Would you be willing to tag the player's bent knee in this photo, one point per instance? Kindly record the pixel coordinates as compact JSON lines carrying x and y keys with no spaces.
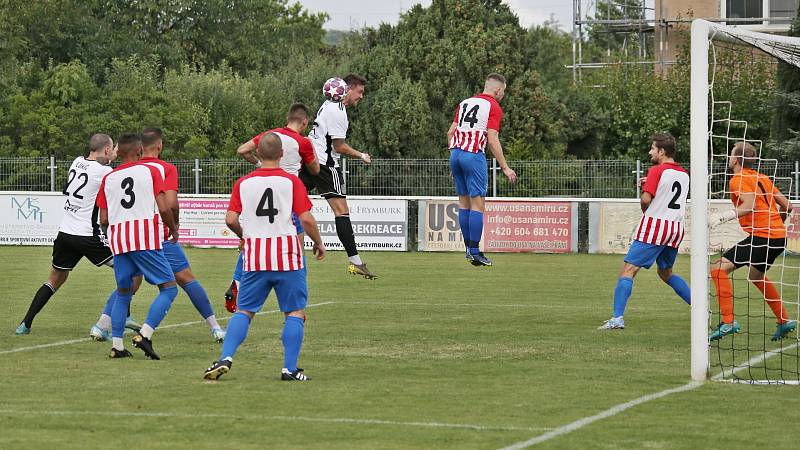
{"x":184,"y":277}
{"x":301,"y":313}
{"x":167,"y":285}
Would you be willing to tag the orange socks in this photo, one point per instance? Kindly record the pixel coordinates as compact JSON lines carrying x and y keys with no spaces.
{"x":773,"y":298}
{"x":724,"y":294}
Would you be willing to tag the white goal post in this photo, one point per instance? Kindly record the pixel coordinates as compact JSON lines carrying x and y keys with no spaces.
{"x":784,"y":48}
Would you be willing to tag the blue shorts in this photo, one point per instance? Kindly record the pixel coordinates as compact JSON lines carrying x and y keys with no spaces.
{"x":290,"y":287}
{"x":175,"y":256}
{"x":238,"y":271}
{"x":150,"y":263}
{"x":644,"y":255}
{"x":469,"y":172}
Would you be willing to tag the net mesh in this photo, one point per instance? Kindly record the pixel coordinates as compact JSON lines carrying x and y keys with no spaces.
{"x":751,"y":355}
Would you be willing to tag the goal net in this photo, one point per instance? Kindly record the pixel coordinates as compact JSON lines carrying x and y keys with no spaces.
{"x":724,"y":60}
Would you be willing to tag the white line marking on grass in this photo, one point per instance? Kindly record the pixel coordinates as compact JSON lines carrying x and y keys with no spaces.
{"x":264,"y":418}
{"x":174,"y":325}
{"x":613,"y":411}
{"x":752,"y":361}
{"x":485,"y":305}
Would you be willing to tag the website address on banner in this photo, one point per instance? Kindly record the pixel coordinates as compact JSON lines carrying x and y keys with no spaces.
{"x":495,"y":207}
{"x":360,"y":245}
{"x":528,"y":245}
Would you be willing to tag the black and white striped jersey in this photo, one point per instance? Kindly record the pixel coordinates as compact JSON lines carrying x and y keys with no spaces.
{"x":80,"y":212}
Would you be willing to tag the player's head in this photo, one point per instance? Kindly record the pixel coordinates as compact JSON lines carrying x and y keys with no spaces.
{"x":495,"y":86}
{"x":743,"y":154}
{"x":101,"y":147}
{"x":662,"y":147}
{"x":129,"y":146}
{"x":270,"y":149}
{"x":298,"y":117}
{"x":152,"y":141}
{"x":355,"y":89}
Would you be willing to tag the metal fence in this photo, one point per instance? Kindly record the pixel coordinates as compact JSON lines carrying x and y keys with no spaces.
{"x":405,"y":177}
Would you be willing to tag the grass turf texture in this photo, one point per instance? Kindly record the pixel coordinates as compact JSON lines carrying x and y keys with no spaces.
{"x":434,"y":354}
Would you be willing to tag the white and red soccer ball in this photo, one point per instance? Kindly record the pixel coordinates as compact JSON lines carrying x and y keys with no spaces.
{"x":334,"y":89}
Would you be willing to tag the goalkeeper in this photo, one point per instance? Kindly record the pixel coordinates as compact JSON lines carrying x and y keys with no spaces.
{"x":761,"y":210}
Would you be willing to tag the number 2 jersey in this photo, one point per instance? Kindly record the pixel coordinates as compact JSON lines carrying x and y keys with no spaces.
{"x":474,"y":118}
{"x":129,"y":194}
{"x":662,"y":223}
{"x":83,"y":183}
{"x":265,"y":200}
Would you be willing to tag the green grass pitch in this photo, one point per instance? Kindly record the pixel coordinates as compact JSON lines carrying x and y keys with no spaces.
{"x":435,"y":354}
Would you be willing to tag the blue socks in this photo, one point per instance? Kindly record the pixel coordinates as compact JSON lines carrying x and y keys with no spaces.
{"x":199,"y":298}
{"x":475,"y":231}
{"x":463,"y":222}
{"x":160,"y":306}
{"x":235,"y":334}
{"x":292,"y":339}
{"x":119,"y":312}
{"x":621,"y":295}
{"x":681,"y":288}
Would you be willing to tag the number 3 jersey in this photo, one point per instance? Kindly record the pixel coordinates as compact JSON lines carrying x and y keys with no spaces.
{"x":83,"y":182}
{"x":475,"y":116}
{"x":662,"y":223}
{"x":129,"y":194}
{"x":265,"y":200}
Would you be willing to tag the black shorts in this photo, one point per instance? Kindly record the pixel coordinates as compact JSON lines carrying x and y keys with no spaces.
{"x":68,"y":249}
{"x":329,"y":182}
{"x":756,"y":252}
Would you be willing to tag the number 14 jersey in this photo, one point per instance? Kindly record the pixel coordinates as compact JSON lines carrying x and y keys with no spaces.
{"x":265,"y":200}
{"x":662,"y":223}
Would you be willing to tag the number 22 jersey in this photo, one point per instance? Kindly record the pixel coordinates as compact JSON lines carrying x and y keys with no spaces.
{"x":662,"y":223}
{"x":83,"y":184}
{"x":129,"y":194}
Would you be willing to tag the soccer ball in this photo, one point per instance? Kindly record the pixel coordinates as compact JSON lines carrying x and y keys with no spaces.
{"x":334,"y":89}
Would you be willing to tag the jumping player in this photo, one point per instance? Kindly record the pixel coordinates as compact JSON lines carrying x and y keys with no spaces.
{"x":660,"y":230}
{"x":476,"y":124}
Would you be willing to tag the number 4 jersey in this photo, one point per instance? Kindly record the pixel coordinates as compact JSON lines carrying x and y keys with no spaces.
{"x":129,"y":194}
{"x":265,"y":200}
{"x":662,"y":223}
{"x":83,"y":183}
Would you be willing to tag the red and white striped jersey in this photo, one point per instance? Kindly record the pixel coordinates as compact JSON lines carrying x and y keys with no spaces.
{"x":474,"y":118}
{"x":129,"y":194}
{"x":265,"y":200}
{"x":169,"y":173}
{"x":662,"y":223}
{"x":297,"y":149}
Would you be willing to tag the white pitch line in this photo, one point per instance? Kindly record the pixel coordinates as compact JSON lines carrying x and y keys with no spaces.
{"x":754,"y":360}
{"x":468,"y":305}
{"x":174,"y":325}
{"x":613,"y":411}
{"x":260,"y":418}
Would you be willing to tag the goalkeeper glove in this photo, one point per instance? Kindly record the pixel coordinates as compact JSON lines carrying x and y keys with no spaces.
{"x":717,"y":219}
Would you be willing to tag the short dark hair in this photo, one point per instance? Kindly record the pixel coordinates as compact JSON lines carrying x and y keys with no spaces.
{"x":270,"y":148}
{"x":297,"y":113}
{"x":355,"y":80}
{"x":746,"y":153}
{"x":496,"y":77}
{"x":128,"y":141}
{"x":151,"y":135}
{"x":99,"y":141}
{"x":666,"y":142}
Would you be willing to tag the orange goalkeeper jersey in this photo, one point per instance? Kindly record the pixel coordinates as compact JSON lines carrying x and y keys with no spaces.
{"x":765,"y":219}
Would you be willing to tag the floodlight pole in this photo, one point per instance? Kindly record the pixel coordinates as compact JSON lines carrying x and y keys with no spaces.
{"x":699,"y":190}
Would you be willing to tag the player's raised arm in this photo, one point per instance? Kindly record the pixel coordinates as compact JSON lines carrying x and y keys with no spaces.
{"x":246,"y":151}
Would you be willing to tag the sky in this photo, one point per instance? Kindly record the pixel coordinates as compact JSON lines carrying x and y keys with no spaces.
{"x":351,"y":14}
